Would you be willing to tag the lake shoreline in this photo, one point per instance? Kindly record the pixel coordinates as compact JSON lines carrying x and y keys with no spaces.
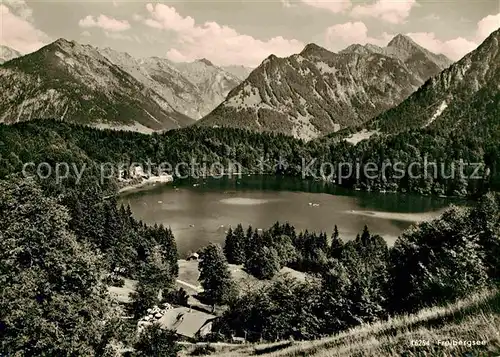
{"x":153,"y":180}
{"x":146,"y":182}
{"x":199,"y":212}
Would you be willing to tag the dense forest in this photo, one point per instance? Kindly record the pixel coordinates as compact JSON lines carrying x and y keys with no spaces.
{"x":427,"y":161}
{"x":61,"y":245}
{"x":63,"y":241}
{"x":362,"y":280}
{"x":55,"y":260}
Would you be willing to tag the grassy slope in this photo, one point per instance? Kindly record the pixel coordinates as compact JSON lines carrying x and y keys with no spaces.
{"x":475,"y":318}
{"x":189,"y":273}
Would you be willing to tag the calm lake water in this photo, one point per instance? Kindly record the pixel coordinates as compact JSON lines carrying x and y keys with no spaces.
{"x":199,"y":212}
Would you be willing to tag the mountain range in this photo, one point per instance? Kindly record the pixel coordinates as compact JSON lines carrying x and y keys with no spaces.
{"x":317,"y":91}
{"x":454,"y":116}
{"x":193,"y":89}
{"x":107,"y":88}
{"x":67,"y":80}
{"x":374,"y":89}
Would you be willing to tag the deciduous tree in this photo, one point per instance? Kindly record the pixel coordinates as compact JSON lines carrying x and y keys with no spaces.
{"x":53,"y":302}
{"x":215,"y":276}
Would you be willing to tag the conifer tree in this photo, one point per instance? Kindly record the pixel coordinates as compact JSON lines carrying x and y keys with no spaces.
{"x":156,"y":277}
{"x":234,"y":247}
{"x":365,"y":236}
{"x":336,"y":244}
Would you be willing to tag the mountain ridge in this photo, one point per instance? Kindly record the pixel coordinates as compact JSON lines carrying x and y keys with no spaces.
{"x":172,"y":94}
{"x":192,"y":88}
{"x":316,"y":91}
{"x":76,"y":82}
{"x":448,"y":98}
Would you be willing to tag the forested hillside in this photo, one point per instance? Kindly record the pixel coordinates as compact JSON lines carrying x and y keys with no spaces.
{"x":59,"y":243}
{"x":455,"y":150}
{"x":432,"y":330}
{"x":363,"y":280}
{"x":326,"y":159}
{"x":180,"y":179}
{"x":85,"y":235}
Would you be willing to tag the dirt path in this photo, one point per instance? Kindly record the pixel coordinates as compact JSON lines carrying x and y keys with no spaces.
{"x":191,"y":286}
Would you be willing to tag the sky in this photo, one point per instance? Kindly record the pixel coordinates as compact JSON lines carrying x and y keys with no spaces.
{"x":245,"y":32}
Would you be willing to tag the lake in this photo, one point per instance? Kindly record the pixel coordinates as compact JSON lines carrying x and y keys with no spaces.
{"x":200,"y":211}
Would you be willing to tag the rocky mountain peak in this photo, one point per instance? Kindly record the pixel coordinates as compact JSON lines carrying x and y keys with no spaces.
{"x":239,"y":71}
{"x":270,"y":61}
{"x":313,"y":49}
{"x":72,"y":49}
{"x":271,"y":57}
{"x":64,"y":43}
{"x":491,"y":43}
{"x":403,"y":42}
{"x":191,"y":88}
{"x":207,"y":62}
{"x":360,"y":49}
{"x":356,"y":47}
{"x":404,"y":48}
{"x":80,"y":83}
{"x":463,"y":97}
{"x":110,"y":50}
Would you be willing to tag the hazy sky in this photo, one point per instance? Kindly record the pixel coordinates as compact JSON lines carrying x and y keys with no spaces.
{"x":246,"y":31}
